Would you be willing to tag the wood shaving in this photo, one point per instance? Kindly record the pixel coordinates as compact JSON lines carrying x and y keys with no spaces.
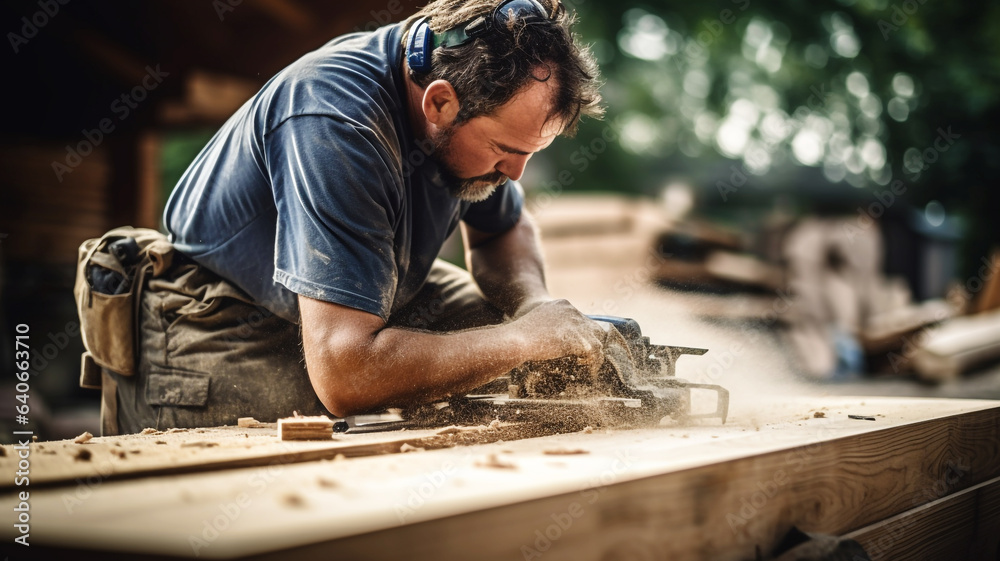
{"x":175,"y":429}
{"x":406,"y":447}
{"x":494,"y":424}
{"x":83,"y":438}
{"x":588,"y":429}
{"x":453,"y":429}
{"x":492,"y":461}
{"x":565,"y":451}
{"x":149,"y":430}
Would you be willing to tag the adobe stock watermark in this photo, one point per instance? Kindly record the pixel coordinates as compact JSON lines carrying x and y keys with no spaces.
{"x":57,"y":342}
{"x":898,"y":530}
{"x":544,"y":538}
{"x":900,"y":14}
{"x":429,"y":485}
{"x":225,"y":7}
{"x":85,"y":486}
{"x":581,"y":159}
{"x":818,"y":99}
{"x":31,"y":25}
{"x":628,"y":284}
{"x":944,"y":140}
{"x":753,"y":503}
{"x":885,"y":198}
{"x":121,"y":107}
{"x":230,"y":511}
{"x":713,"y":29}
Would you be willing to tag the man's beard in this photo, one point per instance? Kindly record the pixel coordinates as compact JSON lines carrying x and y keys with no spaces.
{"x":472,"y":189}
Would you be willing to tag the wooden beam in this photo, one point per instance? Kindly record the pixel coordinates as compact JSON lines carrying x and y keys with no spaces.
{"x":680,"y":492}
{"x":959,"y":526}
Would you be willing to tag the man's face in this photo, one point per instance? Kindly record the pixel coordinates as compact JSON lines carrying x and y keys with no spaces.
{"x":482,"y":153}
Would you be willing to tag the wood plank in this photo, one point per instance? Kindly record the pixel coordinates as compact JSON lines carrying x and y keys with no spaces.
{"x":677,"y":492}
{"x":194,"y":450}
{"x":962,"y":525}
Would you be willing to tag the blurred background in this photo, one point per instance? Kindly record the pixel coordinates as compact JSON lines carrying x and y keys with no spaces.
{"x":807,"y":188}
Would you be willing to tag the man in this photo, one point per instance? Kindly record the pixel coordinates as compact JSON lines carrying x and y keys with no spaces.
{"x":314,"y":217}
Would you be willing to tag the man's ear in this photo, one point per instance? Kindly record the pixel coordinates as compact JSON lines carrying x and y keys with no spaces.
{"x":440,"y":103}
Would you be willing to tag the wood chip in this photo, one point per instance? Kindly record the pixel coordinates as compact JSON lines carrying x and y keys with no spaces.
{"x":407,"y":448}
{"x":588,"y":429}
{"x":319,"y":427}
{"x":494,"y":424}
{"x":83,"y":438}
{"x":175,"y":429}
{"x":565,"y":451}
{"x":149,"y":430}
{"x":248,"y":422}
{"x":819,"y":415}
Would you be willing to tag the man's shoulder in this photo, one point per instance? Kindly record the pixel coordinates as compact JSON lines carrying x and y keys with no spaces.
{"x":354,"y":78}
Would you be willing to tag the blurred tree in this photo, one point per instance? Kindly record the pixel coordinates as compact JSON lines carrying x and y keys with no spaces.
{"x":824,"y":105}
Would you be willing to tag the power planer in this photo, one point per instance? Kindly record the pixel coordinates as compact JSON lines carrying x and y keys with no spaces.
{"x":636,"y":385}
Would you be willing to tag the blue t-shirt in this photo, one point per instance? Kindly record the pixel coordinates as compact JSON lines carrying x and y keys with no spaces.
{"x":316,"y":186}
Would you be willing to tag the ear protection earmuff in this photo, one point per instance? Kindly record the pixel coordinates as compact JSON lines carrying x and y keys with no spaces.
{"x":420,"y":46}
{"x":422,"y":41}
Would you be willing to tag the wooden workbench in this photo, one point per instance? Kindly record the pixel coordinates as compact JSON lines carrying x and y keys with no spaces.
{"x":921,"y":481}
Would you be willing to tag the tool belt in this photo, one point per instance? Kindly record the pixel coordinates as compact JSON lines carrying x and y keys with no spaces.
{"x":111,"y":274}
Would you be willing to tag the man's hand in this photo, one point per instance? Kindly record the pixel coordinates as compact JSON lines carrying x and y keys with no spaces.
{"x":557,"y":330}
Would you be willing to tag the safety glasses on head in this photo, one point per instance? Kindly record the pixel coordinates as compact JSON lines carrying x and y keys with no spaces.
{"x":423,"y":40}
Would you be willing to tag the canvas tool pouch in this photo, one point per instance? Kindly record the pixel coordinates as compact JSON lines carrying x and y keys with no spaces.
{"x":111,"y":273}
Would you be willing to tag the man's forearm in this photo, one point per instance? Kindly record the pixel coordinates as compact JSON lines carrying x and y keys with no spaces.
{"x":401,"y":366}
{"x":357,"y":364}
{"x":509,"y":268}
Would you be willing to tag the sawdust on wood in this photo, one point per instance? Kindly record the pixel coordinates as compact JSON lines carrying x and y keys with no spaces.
{"x":819,"y":415}
{"x":83,"y":438}
{"x":199,"y":444}
{"x":293,"y":500}
{"x":492,"y":461}
{"x":565,"y":451}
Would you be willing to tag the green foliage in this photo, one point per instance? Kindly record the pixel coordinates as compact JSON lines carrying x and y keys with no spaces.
{"x":815,"y":100}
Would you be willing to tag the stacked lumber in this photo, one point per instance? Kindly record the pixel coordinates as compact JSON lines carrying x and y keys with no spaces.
{"x":957,"y":346}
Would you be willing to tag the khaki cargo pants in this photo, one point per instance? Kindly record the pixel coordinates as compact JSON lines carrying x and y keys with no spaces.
{"x":208,"y":356}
